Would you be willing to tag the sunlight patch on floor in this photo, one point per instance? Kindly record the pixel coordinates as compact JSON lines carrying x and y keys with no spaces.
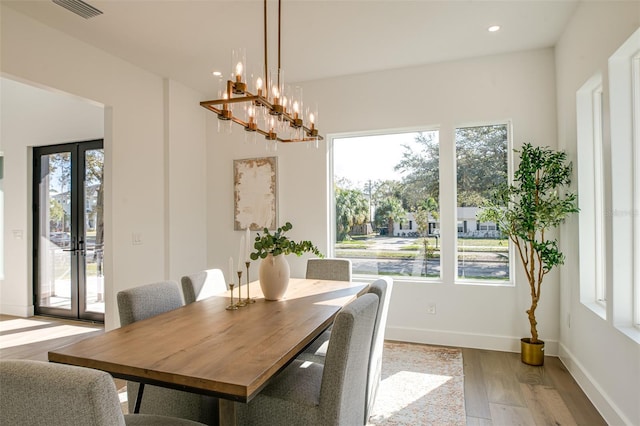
{"x":402,"y":389}
{"x":17,"y":324}
{"x":41,"y":335}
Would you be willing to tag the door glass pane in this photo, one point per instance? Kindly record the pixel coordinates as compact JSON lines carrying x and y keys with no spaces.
{"x":55,"y":260}
{"x":93,"y":230}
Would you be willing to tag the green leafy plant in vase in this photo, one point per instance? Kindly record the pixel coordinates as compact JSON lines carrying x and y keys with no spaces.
{"x":526,"y":212}
{"x":274,"y":269}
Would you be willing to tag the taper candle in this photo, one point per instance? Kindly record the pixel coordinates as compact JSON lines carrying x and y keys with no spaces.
{"x":248,"y":242}
{"x":230,"y":277}
{"x":240,"y":254}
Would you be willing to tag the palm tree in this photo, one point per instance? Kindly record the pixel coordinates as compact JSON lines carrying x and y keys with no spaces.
{"x":389,"y":211}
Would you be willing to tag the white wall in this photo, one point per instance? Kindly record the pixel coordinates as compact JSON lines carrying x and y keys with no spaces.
{"x":186,"y":181}
{"x":137,"y":142}
{"x":604,"y":361}
{"x":518,"y":87}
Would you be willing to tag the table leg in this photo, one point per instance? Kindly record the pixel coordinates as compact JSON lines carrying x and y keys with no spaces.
{"x":227,"y":413}
{"x":136,"y":409}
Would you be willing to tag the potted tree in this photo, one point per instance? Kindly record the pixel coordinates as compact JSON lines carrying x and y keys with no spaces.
{"x":526,"y":212}
{"x":274,"y":269}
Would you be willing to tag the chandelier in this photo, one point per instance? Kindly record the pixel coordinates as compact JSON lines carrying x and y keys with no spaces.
{"x":270,"y":108}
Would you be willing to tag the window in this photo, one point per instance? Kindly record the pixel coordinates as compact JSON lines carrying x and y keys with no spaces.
{"x":593,"y":289}
{"x":386,"y":191}
{"x":387,"y":204}
{"x":636,"y":162}
{"x":481,"y":166}
{"x":624,"y":100}
{"x":1,"y":216}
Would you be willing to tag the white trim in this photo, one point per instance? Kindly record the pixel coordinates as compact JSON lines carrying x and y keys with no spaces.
{"x":463,"y":340}
{"x":17,"y":311}
{"x":596,"y":394}
{"x":625,"y":165}
{"x":635,"y":122}
{"x":510,"y":282}
{"x":592,"y":237}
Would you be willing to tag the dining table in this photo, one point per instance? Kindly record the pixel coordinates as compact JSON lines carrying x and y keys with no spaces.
{"x":205,"y":348}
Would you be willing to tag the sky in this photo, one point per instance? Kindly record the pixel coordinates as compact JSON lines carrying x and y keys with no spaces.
{"x":364,"y":158}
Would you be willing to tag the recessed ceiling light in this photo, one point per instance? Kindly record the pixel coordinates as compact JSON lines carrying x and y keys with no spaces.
{"x":494,"y":28}
{"x":216,"y":73}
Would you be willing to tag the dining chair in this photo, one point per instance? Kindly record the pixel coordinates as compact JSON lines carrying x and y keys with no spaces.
{"x":329,"y":269}
{"x":42,"y":393}
{"x":317,"y":350}
{"x":136,"y":304}
{"x":309,"y":394}
{"x":203,"y":284}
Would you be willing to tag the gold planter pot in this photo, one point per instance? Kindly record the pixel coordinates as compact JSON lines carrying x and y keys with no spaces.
{"x":531,"y":353}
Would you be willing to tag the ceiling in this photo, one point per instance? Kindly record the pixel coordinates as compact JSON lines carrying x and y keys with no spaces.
{"x":186,"y":40}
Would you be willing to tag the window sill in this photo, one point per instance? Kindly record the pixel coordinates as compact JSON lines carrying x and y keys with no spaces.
{"x":630,"y":331}
{"x":597,"y":309}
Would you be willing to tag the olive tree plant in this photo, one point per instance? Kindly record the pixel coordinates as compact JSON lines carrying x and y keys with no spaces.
{"x":527,"y":210}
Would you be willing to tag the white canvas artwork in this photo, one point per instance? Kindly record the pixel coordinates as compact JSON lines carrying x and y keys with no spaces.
{"x":255,"y":193}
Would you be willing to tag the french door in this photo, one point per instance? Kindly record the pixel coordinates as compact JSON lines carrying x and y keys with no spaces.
{"x":69,"y":230}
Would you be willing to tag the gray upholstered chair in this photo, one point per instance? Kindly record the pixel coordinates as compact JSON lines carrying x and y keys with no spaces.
{"x":329,"y":269}
{"x":203,"y":284}
{"x":317,"y":351}
{"x":325,"y":269}
{"x":382,"y":287}
{"x":41,"y":393}
{"x":136,"y":304}
{"x":314,"y":394}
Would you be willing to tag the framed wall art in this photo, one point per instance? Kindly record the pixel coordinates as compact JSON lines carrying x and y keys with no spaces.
{"x":255,"y":193}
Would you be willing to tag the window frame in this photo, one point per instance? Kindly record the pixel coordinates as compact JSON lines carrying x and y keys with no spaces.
{"x":624,"y":103}
{"x":592,"y":233}
{"x":459,"y":280}
{"x":447,"y":201}
{"x":332,"y":196}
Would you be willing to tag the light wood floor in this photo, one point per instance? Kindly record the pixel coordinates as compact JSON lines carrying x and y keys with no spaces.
{"x":499,"y":389}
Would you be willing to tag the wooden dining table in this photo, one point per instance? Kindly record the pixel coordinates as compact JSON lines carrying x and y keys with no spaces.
{"x":205,"y":348}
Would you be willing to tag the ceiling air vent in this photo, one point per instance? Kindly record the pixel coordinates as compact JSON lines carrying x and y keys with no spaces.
{"x":79,"y":7}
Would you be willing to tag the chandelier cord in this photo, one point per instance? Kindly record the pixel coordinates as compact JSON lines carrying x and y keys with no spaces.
{"x":266,"y":63}
{"x":279,"y":26}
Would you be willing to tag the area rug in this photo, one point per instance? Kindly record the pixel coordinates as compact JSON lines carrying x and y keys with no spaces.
{"x":421,"y":385}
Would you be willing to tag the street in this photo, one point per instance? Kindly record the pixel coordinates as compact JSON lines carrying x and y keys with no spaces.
{"x":480,"y":264}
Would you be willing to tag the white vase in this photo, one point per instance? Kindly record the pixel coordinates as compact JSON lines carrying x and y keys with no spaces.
{"x":274,"y":275}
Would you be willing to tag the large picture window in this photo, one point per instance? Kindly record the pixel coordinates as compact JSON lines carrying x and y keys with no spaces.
{"x":386,"y":191}
{"x":388,"y":207}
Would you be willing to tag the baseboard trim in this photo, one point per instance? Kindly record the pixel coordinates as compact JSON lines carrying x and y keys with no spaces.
{"x":17,"y":311}
{"x":598,"y":397}
{"x":464,"y":340}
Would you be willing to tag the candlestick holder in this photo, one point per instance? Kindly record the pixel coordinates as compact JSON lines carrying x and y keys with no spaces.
{"x":248,"y":300}
{"x":232,"y":306}
{"x":241,"y":302}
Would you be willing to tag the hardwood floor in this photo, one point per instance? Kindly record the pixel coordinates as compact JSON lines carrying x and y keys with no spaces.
{"x":499,"y":390}
{"x":33,"y":338}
